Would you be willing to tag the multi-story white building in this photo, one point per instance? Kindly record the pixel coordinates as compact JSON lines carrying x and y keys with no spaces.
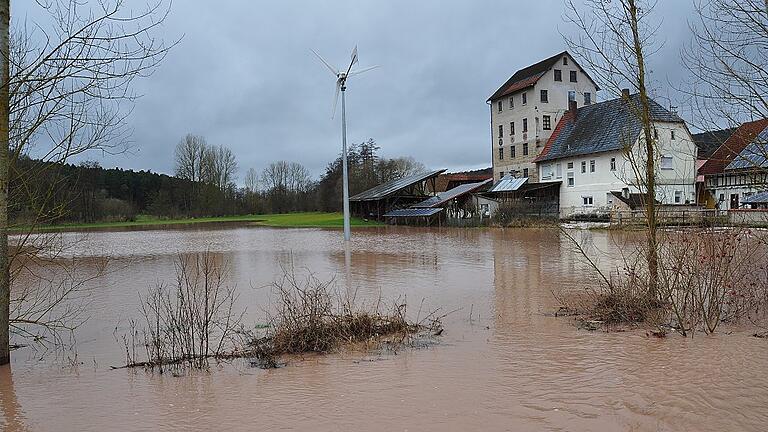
{"x":526,"y":108}
{"x":592,"y":148}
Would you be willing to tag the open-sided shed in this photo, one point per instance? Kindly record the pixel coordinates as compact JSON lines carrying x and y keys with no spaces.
{"x":397,"y":194}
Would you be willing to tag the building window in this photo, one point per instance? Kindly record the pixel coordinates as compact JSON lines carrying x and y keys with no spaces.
{"x":666,"y":162}
{"x":546,"y":122}
{"x":525,"y":98}
{"x":544,"y":96}
{"x":501,"y":131}
{"x":511,"y":128}
{"x":587,"y":200}
{"x":559,"y":170}
{"x":500,"y":107}
{"x":613,"y":164}
{"x":570,"y":179}
{"x":592,"y":166}
{"x":501,"y":142}
{"x":678,"y":197}
{"x":583,"y":167}
{"x":565,"y":61}
{"x":570,"y":165}
{"x":525,"y":125}
{"x":573,"y":76}
{"x":501,"y":153}
{"x":512,"y":152}
{"x":511,"y":102}
{"x":587,"y":98}
{"x":672,"y":134}
{"x":655,"y":133}
{"x":525,"y":172}
{"x":571,"y":97}
{"x":558,"y":75}
{"x":525,"y":150}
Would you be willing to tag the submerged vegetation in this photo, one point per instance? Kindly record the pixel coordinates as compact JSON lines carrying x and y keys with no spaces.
{"x":706,"y":276}
{"x":187,"y":324}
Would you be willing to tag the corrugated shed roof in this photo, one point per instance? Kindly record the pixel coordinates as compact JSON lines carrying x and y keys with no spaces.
{"x":448,"y":195}
{"x":758,"y":198}
{"x":754,"y":154}
{"x":732,"y":146}
{"x":528,"y":76}
{"x":508,"y":184}
{"x":413,"y":212}
{"x":384,"y":190}
{"x":601,"y":127}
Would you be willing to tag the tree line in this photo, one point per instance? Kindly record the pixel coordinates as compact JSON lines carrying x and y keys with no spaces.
{"x":205,"y":183}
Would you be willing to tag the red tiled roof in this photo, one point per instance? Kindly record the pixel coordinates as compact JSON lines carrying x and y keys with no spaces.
{"x":724,"y":154}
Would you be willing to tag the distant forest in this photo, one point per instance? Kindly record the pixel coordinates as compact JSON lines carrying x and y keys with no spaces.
{"x":204,"y":184}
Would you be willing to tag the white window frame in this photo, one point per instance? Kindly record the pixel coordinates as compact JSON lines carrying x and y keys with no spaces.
{"x":524,"y":97}
{"x":592,"y":164}
{"x":571,"y":180}
{"x":511,"y":102}
{"x":613,"y":164}
{"x":587,"y":201}
{"x":669,"y":165}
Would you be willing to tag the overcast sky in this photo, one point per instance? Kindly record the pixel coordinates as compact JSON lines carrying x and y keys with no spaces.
{"x":243,"y":76}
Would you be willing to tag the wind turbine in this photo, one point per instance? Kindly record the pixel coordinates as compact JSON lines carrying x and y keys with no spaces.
{"x":341,"y":84}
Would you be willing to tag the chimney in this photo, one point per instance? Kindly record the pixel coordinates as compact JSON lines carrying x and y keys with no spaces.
{"x":625,"y":94}
{"x":572,"y":105}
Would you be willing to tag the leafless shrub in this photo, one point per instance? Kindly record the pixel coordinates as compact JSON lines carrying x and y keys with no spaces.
{"x":706,"y":276}
{"x":313,"y":317}
{"x":189,"y":322}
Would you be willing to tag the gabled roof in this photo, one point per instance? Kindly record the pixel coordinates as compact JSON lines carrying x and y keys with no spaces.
{"x":530,"y":75}
{"x":708,"y":142}
{"x":448,"y":195}
{"x":390,"y":188}
{"x":732,"y":146}
{"x":601,"y":127}
{"x":754,"y":154}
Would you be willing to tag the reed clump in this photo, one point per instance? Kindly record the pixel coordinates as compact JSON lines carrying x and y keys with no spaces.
{"x":312,"y":316}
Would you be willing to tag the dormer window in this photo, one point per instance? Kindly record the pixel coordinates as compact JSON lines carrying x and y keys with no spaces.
{"x":558,"y":75}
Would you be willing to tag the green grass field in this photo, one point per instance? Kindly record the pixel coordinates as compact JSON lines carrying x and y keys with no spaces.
{"x":288,"y":220}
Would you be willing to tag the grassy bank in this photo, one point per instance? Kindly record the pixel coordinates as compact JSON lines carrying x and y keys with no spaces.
{"x":289,"y":220}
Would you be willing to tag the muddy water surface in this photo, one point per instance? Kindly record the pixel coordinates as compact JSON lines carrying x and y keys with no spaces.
{"x":507,"y":367}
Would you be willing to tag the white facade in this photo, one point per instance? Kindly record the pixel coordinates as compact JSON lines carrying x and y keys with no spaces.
{"x":514,"y":148}
{"x":730,"y":188}
{"x":588,"y":180}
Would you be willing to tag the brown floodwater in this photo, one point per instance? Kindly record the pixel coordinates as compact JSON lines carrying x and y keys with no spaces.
{"x":509,"y":366}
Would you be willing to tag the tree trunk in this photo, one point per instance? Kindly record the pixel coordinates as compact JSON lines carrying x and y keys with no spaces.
{"x":5,"y":284}
{"x":650,"y":163}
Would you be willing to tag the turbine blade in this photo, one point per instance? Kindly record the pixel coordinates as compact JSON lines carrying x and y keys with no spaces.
{"x":330,"y":68}
{"x":354,"y":55}
{"x":335,"y":99}
{"x":359,"y":71}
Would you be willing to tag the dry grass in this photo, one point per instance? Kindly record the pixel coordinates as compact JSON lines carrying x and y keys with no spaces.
{"x":313,"y":317}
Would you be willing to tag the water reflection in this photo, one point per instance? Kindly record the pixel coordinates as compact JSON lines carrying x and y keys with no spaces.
{"x":13,"y":417}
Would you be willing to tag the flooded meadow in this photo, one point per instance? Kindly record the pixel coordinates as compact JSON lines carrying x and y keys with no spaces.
{"x":502,"y":363}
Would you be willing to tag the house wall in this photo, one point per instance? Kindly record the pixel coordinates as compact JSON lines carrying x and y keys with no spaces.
{"x":534,"y":110}
{"x":722,"y":187}
{"x":598,"y":184}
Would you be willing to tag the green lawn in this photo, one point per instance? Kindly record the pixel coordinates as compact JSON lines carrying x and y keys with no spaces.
{"x":308,"y":220}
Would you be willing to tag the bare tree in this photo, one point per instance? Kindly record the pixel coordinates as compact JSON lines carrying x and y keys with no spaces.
{"x":65,"y":89}
{"x":614,"y":38}
{"x":189,"y":155}
{"x":220,"y":167}
{"x":727,"y":62}
{"x":251,"y":180}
